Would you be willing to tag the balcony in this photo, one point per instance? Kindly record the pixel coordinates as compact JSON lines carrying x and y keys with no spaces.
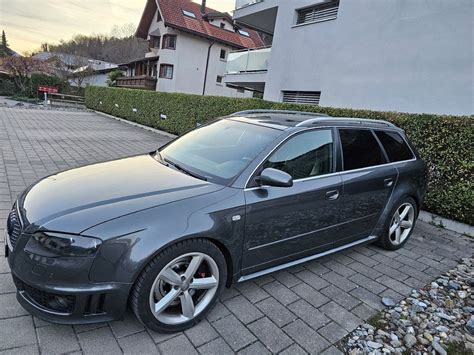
{"x":248,"y":61}
{"x":248,"y":68}
{"x":243,"y":3}
{"x":137,"y":82}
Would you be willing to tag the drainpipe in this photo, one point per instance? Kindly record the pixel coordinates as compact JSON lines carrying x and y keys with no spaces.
{"x":207,"y":66}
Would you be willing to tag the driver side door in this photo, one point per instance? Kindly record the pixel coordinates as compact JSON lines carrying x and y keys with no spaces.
{"x":287,"y":223}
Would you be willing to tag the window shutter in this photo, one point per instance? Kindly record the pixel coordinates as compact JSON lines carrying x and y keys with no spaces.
{"x":322,"y":12}
{"x":302,"y":97}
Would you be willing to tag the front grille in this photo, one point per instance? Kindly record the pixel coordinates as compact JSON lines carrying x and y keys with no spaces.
{"x":50,"y":301}
{"x":13,"y":227}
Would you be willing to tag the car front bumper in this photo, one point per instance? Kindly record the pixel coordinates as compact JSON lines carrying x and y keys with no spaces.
{"x":59,"y":290}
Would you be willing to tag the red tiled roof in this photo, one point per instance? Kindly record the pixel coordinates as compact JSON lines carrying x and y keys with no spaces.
{"x":172,"y":14}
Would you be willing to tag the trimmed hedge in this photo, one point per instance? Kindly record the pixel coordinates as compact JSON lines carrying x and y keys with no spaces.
{"x":445,"y":142}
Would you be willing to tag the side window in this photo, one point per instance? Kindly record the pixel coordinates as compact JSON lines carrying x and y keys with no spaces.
{"x":305,"y":155}
{"x":394,"y":145}
{"x":360,"y":149}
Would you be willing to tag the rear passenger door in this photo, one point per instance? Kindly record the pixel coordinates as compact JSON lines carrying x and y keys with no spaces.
{"x":368,"y":181}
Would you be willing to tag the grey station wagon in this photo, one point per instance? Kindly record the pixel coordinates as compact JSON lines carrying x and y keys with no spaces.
{"x":240,"y":197}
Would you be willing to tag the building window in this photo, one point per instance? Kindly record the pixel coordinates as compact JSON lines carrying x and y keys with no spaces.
{"x":222,"y":25}
{"x":166,"y":71}
{"x":302,"y":97}
{"x":154,"y":42}
{"x":244,"y":33}
{"x":169,"y":42}
{"x":223,"y":54}
{"x":219,"y":79}
{"x":321,"y":12}
{"x":240,"y":90}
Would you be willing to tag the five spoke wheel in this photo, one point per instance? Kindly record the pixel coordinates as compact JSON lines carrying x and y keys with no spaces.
{"x":401,"y":224}
{"x":184,"y":288}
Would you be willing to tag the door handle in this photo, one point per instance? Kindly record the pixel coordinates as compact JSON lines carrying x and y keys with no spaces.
{"x":388,"y":182}
{"x":332,"y":195}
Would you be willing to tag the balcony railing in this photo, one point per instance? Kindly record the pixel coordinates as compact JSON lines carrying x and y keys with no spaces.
{"x":137,"y":82}
{"x":242,"y":3}
{"x":248,"y":61}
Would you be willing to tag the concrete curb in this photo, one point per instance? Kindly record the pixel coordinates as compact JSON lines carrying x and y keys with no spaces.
{"x":154,"y":130}
{"x":449,"y":224}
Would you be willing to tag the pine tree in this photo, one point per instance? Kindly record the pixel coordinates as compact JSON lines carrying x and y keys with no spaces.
{"x":4,"y":50}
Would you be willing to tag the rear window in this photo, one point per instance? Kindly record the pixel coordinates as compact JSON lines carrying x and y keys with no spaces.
{"x":395,"y":146}
{"x":360,"y":149}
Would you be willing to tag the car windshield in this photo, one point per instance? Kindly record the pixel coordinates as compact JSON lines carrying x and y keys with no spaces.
{"x":218,"y":151}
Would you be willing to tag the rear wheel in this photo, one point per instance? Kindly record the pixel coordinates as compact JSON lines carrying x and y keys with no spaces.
{"x":399,"y":224}
{"x":179,"y":286}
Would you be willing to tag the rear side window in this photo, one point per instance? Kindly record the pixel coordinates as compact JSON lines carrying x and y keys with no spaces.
{"x":394,"y":145}
{"x":305,"y":155}
{"x":360,"y":149}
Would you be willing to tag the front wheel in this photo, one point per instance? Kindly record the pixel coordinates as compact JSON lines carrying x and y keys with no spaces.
{"x":179,"y":286}
{"x":399,"y":225}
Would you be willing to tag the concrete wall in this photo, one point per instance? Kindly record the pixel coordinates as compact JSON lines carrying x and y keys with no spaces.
{"x":401,"y":55}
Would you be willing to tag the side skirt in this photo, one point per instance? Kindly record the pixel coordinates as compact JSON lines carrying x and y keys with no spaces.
{"x":303,"y":260}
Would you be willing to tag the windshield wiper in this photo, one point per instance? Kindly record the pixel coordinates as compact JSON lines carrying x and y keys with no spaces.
{"x":190,"y":173}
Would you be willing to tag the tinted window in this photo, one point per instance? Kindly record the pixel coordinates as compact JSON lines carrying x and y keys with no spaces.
{"x":394,"y":145}
{"x":307,"y":154}
{"x":360,"y":149}
{"x":220,"y":150}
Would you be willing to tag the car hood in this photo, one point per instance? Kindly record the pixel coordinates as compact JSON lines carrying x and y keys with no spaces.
{"x":75,"y":200}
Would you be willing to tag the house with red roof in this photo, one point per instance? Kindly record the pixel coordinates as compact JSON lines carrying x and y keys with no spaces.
{"x":189,"y":45}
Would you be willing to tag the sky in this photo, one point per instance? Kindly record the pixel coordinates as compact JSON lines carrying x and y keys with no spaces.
{"x":28,"y":23}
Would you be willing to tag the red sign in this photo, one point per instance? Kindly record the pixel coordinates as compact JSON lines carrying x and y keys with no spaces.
{"x":48,"y":89}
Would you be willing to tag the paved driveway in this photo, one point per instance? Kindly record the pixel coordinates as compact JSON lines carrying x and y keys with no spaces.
{"x":304,"y":309}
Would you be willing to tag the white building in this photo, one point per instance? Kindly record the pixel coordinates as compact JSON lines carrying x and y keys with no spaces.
{"x":400,"y":55}
{"x":188,"y":48}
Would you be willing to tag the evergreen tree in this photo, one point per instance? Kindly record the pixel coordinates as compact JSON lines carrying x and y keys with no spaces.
{"x":4,"y":50}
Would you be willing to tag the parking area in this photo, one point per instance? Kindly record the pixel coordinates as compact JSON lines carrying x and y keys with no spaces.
{"x":305,"y":309}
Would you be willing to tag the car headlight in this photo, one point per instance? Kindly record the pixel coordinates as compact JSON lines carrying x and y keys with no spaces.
{"x":51,"y":244}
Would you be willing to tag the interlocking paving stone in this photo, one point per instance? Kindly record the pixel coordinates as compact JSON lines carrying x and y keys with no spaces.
{"x":274,"y":310}
{"x":306,"y":303}
{"x":98,"y":341}
{"x":311,"y":341}
{"x":234,"y":332}
{"x":216,"y":347}
{"x":138,"y":343}
{"x":57,"y":339}
{"x":179,"y":345}
{"x":16,"y":332}
{"x":245,"y":311}
{"x":256,"y":348}
{"x":270,"y":335}
{"x":201,"y":333}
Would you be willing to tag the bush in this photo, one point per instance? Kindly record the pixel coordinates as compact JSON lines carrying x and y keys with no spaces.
{"x":444,"y":142}
{"x":8,"y":87}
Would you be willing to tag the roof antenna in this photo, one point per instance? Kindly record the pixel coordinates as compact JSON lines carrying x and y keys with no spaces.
{"x":203,"y":7}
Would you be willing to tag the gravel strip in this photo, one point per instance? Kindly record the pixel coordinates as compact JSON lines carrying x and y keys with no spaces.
{"x":439,"y":318}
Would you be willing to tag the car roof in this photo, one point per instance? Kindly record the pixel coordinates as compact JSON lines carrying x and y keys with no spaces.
{"x":281,"y":119}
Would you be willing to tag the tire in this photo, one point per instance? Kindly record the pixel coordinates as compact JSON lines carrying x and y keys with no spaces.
{"x":391,"y":241}
{"x":187,"y":278}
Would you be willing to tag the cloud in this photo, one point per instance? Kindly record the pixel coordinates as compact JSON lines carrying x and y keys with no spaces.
{"x":28,"y":23}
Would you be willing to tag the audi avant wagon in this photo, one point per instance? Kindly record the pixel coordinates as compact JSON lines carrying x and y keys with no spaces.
{"x":240,"y":197}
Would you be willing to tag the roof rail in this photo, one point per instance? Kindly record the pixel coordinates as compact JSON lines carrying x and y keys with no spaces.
{"x":285,"y":112}
{"x":350,"y":119}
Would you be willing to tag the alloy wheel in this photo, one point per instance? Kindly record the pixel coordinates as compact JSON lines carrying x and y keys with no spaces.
{"x":184,"y":288}
{"x":401,"y":224}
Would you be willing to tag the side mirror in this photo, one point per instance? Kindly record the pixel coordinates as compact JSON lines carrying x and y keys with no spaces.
{"x":275,"y":177}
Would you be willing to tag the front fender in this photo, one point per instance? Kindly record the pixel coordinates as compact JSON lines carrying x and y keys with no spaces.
{"x":133,"y":240}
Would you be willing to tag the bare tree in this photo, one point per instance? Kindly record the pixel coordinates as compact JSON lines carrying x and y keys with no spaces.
{"x":21,"y":69}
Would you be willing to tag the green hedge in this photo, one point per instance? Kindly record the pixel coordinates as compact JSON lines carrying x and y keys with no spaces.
{"x":443,"y":141}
